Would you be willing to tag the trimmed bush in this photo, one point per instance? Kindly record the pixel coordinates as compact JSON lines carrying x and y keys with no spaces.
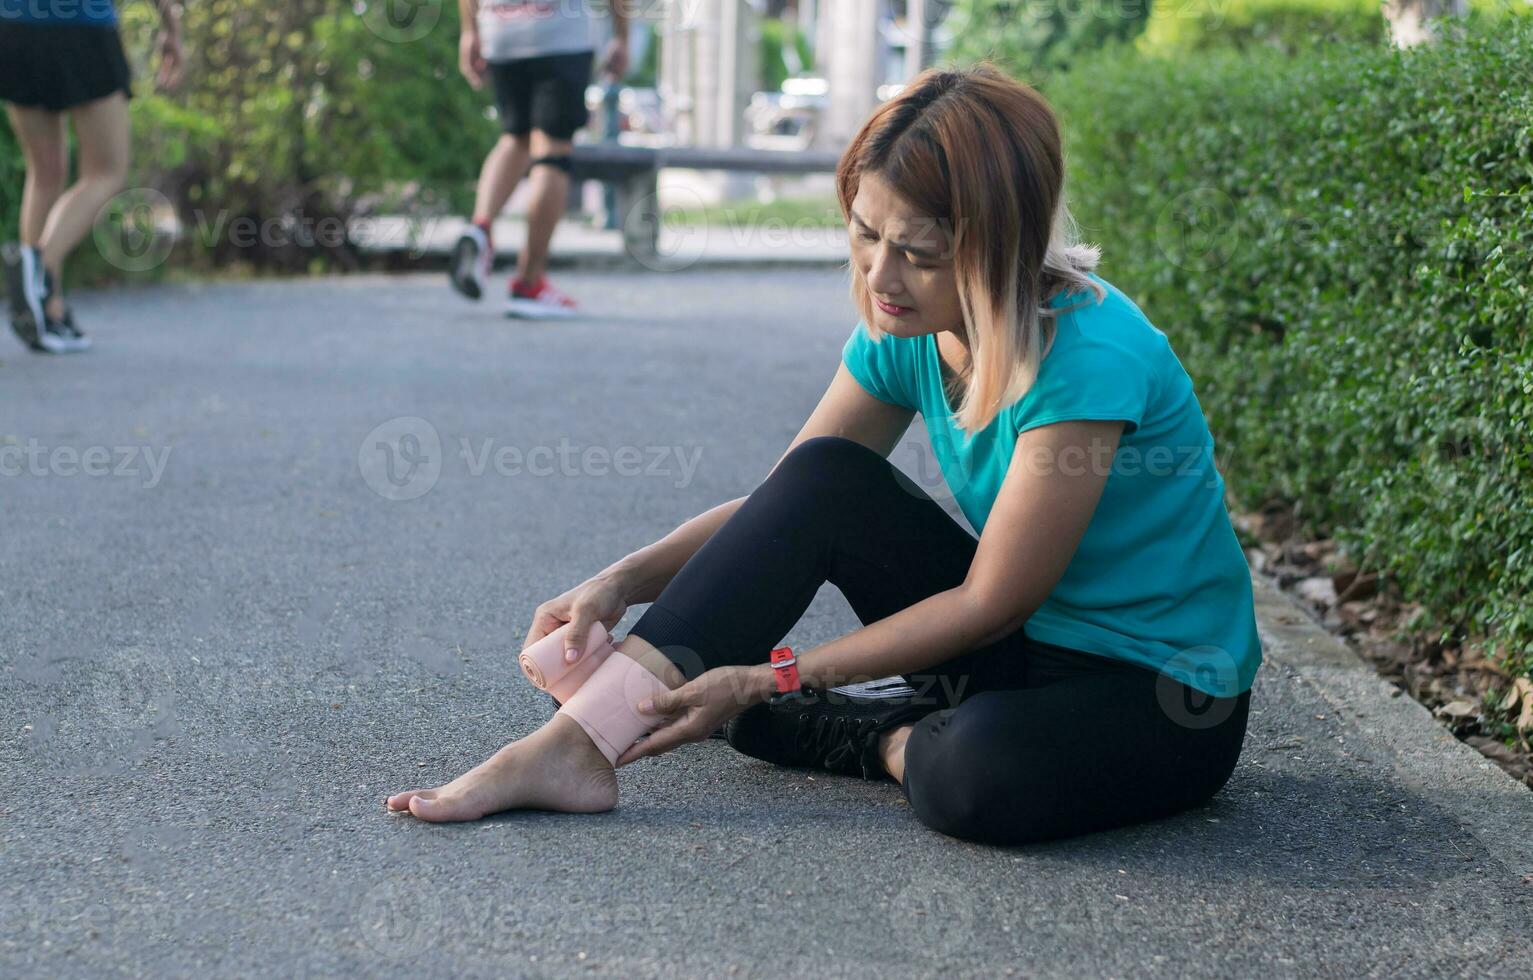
{"x":1033,"y":38}
{"x":1290,"y":26}
{"x":1340,"y":244}
{"x":12,"y":172}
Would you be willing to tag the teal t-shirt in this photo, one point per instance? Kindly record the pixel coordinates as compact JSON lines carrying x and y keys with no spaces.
{"x":1159,"y":578}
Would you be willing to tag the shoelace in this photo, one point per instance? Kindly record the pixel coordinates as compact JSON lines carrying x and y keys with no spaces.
{"x":837,"y":739}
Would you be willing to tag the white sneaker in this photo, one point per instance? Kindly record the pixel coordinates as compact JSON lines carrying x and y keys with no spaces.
{"x":34,"y":287}
{"x":472,"y":259}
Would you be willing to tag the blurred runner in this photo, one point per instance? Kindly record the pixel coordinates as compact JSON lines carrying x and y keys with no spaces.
{"x":538,"y":56}
{"x":59,"y":59}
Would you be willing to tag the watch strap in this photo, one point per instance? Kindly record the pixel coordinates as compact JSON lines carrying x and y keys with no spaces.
{"x":785,"y":670}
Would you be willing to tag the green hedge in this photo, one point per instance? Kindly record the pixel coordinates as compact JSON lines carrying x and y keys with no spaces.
{"x":1292,"y":26}
{"x":1033,"y":39}
{"x":12,"y":172}
{"x":1340,"y":244}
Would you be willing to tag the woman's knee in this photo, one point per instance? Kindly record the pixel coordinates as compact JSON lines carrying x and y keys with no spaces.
{"x":826,"y":459}
{"x":48,"y":169}
{"x":958,"y":780}
{"x":107,"y":176}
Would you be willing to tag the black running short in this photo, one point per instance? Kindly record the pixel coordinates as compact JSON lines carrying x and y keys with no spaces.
{"x":60,"y":66}
{"x":546,"y":93}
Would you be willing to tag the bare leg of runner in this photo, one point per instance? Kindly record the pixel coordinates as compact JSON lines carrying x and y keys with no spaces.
{"x":503,"y":168}
{"x":550,"y":192}
{"x":101,"y":128}
{"x":46,"y":153}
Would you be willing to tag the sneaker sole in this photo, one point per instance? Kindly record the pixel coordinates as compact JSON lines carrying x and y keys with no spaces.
{"x":527,"y":309}
{"x":25,"y":330}
{"x":54,"y":344}
{"x":30,"y":275}
{"x":22,"y":323}
{"x":463,"y":273}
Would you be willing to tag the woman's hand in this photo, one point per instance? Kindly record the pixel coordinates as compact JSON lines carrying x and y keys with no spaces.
{"x":470,"y":62}
{"x":600,"y":599}
{"x":700,"y":707}
{"x":614,"y":62}
{"x":172,"y":59}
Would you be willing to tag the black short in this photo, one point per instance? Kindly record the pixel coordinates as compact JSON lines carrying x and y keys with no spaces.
{"x":60,"y":66}
{"x":546,"y":93}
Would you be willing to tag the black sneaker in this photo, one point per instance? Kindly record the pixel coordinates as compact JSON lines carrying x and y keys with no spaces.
{"x":68,"y":333}
{"x":837,"y":732}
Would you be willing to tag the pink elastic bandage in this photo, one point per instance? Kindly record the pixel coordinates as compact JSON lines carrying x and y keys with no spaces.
{"x":600,"y":691}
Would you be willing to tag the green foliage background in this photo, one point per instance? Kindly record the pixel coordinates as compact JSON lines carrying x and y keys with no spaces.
{"x":1338,"y":236}
{"x":1340,"y":244}
{"x":1031,"y":38}
{"x":293,"y":113}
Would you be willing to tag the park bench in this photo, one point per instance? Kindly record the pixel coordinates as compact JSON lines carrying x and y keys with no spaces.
{"x":633,"y":172}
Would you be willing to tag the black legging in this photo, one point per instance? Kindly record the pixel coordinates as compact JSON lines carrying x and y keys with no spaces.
{"x":1025,"y":741}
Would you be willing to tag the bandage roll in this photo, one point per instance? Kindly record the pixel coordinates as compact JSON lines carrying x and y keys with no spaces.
{"x":606,"y":705}
{"x":546,"y":668}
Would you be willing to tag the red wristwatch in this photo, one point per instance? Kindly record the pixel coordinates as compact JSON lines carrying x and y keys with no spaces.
{"x":785,"y":671}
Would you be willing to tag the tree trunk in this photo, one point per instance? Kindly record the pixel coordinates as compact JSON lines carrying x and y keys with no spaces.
{"x":1413,"y":22}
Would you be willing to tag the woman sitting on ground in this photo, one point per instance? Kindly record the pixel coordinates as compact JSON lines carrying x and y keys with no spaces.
{"x":1085,"y":663}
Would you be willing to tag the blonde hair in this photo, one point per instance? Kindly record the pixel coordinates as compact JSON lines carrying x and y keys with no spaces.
{"x":981,"y":151}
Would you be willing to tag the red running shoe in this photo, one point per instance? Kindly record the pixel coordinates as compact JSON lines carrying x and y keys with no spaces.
{"x":538,"y":301}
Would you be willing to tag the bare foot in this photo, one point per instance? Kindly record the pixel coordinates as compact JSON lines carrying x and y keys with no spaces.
{"x":557,"y":767}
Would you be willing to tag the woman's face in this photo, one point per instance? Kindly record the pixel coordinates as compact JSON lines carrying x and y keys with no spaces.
{"x":905,"y":257}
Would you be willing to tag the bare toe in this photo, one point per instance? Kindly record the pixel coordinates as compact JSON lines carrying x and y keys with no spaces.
{"x":400,"y":802}
{"x":445,"y":809}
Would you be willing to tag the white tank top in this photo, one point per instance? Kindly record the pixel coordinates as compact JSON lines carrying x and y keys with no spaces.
{"x":512,"y":29}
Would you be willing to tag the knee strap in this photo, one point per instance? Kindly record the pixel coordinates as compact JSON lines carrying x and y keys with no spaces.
{"x":601,"y":690}
{"x":562,"y":162}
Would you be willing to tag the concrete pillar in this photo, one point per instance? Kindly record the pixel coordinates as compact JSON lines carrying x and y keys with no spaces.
{"x":918,"y":30}
{"x":709,"y":68}
{"x":848,"y":50}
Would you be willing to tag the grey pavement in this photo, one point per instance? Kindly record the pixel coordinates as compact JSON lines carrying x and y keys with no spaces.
{"x":217,"y":662}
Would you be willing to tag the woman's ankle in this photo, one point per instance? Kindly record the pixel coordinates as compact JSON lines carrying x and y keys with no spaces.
{"x":891,"y":751}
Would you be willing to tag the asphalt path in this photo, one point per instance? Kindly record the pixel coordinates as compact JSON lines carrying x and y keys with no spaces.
{"x":268,"y":553}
